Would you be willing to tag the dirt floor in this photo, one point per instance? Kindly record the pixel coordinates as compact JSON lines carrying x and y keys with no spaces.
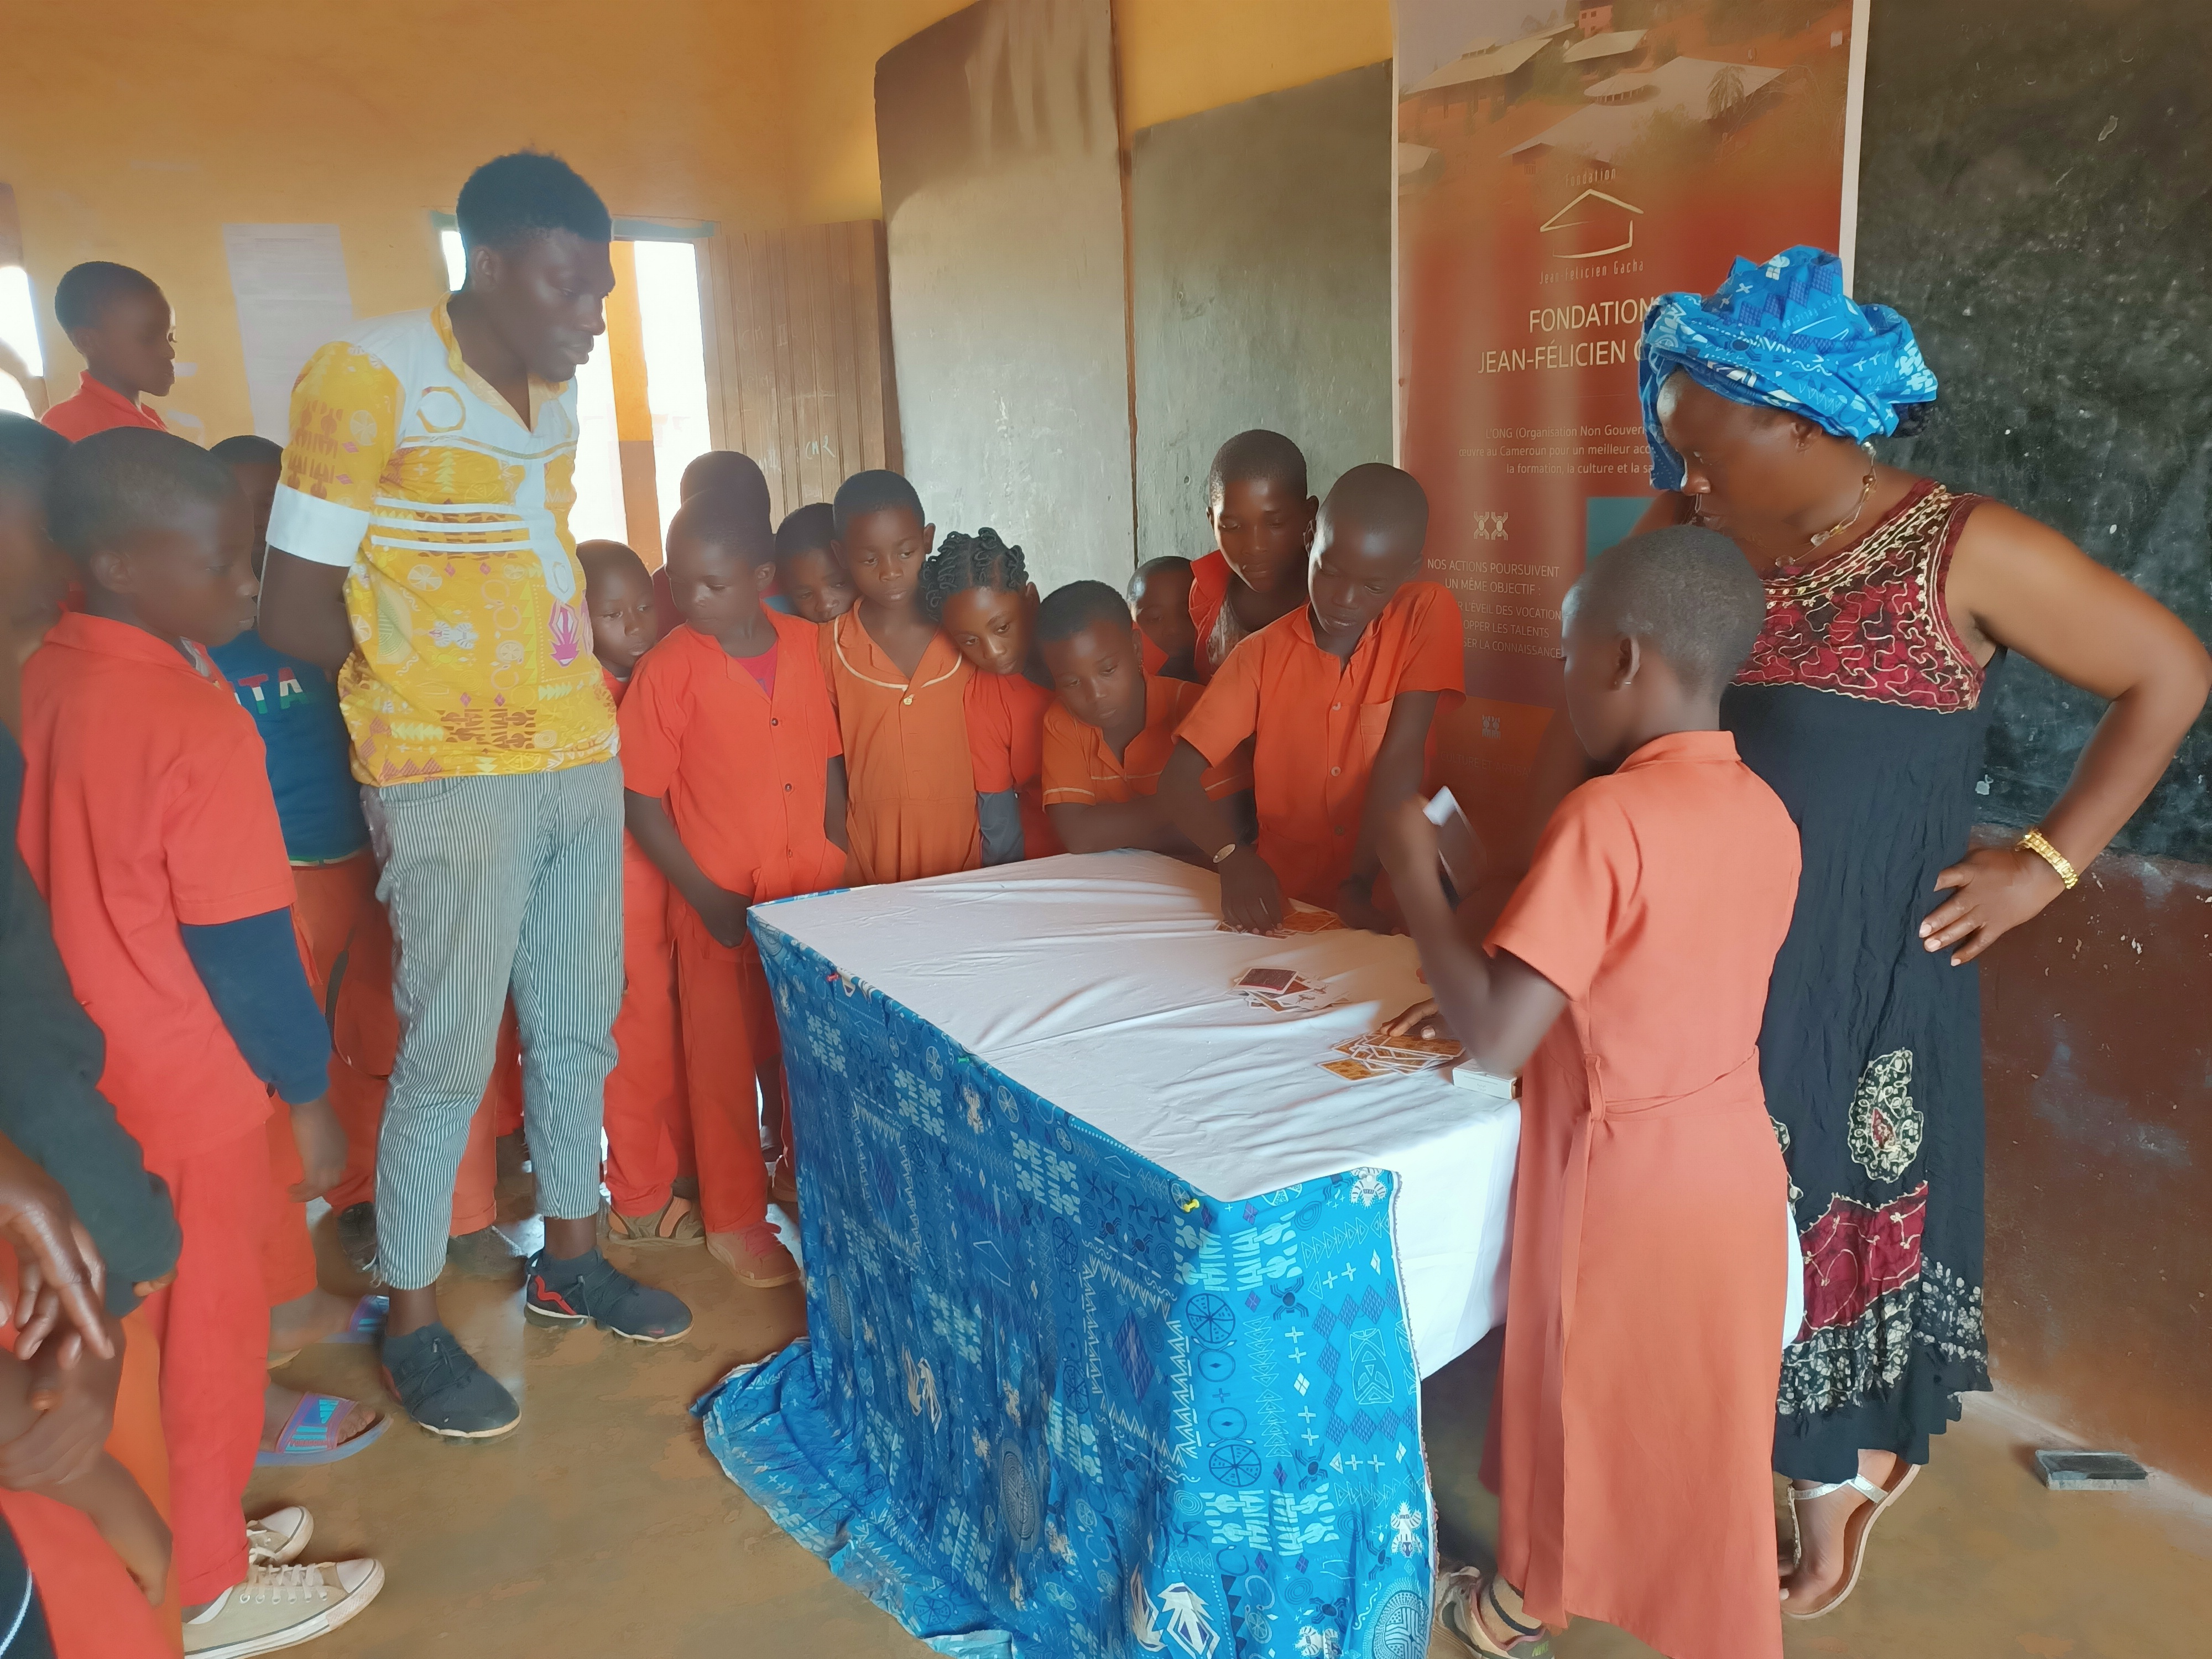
{"x":602,"y":1526}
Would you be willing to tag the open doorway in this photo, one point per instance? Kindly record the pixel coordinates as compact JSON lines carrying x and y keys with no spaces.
{"x":641,"y":397}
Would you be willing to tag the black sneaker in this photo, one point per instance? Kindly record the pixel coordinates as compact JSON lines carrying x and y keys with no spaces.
{"x":445,"y":1390}
{"x":357,"y":1236}
{"x":590,"y":1289}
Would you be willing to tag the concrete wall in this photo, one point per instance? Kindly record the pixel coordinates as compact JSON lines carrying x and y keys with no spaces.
{"x":1002,"y":202}
{"x":1260,"y":290}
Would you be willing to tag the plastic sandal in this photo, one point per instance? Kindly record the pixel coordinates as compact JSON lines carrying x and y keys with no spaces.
{"x":306,"y":1437}
{"x":366,"y":1326}
{"x":1855,"y":1529}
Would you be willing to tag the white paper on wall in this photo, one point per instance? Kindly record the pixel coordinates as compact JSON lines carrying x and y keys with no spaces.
{"x":290,"y":282}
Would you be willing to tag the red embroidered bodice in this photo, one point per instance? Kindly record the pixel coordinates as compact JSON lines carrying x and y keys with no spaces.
{"x":1871,"y":622}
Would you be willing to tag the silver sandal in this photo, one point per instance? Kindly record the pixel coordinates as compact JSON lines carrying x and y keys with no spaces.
{"x":1856,"y":1528}
{"x":1466,"y":1601}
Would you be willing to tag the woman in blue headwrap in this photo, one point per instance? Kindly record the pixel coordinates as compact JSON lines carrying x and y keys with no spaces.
{"x":1891,"y":601}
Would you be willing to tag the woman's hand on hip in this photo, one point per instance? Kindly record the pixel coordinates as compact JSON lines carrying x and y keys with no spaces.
{"x":1993,"y":890}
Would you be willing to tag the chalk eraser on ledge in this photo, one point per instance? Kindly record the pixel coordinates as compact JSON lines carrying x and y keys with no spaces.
{"x":2090,"y":1471}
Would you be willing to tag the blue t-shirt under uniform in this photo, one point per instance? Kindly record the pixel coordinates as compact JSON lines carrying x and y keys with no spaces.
{"x":310,"y":756}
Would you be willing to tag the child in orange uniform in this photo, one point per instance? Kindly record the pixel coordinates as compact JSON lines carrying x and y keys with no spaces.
{"x":808,"y":574}
{"x":149,"y":825}
{"x":1109,"y":734}
{"x":1337,"y":697}
{"x":718,"y":472}
{"x":1159,"y":593}
{"x":1262,"y":523}
{"x":899,"y":688}
{"x":1635,"y":1415}
{"x":120,"y":323}
{"x":734,"y":786}
{"x":651,"y":1185}
{"x":979,"y":590}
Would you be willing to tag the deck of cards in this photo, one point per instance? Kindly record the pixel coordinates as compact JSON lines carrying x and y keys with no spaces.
{"x":1282,"y":991}
{"x":1298,"y":919}
{"x":1378,"y":1054}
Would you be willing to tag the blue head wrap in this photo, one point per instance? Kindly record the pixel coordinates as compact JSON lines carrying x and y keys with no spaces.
{"x":1783,"y":334}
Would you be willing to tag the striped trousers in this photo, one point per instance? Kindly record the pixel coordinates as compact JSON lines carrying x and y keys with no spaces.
{"x":493,"y":883}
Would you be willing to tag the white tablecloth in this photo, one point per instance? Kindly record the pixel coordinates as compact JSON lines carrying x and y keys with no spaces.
{"x":1102,"y":983}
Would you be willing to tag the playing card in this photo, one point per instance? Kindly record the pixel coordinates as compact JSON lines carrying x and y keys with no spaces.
{"x":1275,"y":980}
{"x":1351,"y":1071}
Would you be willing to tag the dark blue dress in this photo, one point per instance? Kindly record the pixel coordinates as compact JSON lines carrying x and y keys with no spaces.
{"x":1863,"y":710}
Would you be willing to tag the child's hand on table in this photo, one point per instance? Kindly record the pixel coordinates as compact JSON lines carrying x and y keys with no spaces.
{"x":1251,"y":897}
{"x":1356,"y":906}
{"x":724,"y":913}
{"x":322,"y":1146}
{"x":1423,"y":1019}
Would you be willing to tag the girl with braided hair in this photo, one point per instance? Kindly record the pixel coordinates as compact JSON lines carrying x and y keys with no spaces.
{"x":979,"y":590}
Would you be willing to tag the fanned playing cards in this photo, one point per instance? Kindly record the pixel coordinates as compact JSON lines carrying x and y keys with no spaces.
{"x":1298,"y":919}
{"x":1282,"y":991}
{"x":1378,"y":1054}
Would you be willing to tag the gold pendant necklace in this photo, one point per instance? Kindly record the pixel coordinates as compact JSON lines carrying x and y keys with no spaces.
{"x":1793,"y":567}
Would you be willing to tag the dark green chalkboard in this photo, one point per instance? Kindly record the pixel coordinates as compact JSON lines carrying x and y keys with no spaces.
{"x":2034,"y":197}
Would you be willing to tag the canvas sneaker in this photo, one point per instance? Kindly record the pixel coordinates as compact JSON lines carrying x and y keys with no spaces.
{"x":280,"y":1538}
{"x":281,"y":1607}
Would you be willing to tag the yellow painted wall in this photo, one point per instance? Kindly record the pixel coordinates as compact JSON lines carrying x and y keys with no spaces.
{"x":145,"y":128}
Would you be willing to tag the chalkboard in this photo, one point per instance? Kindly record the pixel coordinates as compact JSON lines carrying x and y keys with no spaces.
{"x":2033,"y":196}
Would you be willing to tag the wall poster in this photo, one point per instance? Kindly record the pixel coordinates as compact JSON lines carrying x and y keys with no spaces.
{"x":1560,"y":163}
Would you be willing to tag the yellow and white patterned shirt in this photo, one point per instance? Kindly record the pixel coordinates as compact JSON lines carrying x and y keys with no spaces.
{"x":472,"y":644}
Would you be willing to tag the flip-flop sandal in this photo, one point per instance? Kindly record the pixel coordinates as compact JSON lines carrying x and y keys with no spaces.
{"x":1855,"y":1529}
{"x":366,"y":1326}
{"x":308,"y":1435}
{"x":1467,"y":1606}
{"x":676,"y":1222}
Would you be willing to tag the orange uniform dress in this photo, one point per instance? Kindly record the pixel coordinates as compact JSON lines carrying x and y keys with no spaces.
{"x":1635,"y":1419}
{"x":1082,"y":769}
{"x":1317,"y":724}
{"x":95,"y":407}
{"x":1006,"y":715}
{"x":146,"y":807}
{"x":648,"y":1116}
{"x":745,"y":773}
{"x":1209,"y":591}
{"x":911,"y":806}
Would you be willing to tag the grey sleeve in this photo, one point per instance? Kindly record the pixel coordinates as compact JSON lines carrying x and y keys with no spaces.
{"x":1000,"y":816}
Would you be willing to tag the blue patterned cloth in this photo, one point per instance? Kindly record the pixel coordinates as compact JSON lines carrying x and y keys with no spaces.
{"x":1783,"y":334}
{"x":1051,"y":1401}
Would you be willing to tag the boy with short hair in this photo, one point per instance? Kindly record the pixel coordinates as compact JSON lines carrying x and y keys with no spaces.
{"x":808,"y":573}
{"x":653,"y":1185}
{"x":1634,"y":1421}
{"x":723,"y":471}
{"x":734,"y":781}
{"x":1337,"y":698}
{"x":120,"y":323}
{"x":1159,"y":594}
{"x":147,"y":823}
{"x":1262,"y":523}
{"x":1109,"y":736}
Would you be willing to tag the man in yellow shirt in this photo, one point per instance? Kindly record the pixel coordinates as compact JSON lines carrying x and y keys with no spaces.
{"x":419,"y":548}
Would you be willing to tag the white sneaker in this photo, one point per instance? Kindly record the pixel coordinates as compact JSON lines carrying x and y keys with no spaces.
{"x":280,"y":1606}
{"x":279,"y":1538}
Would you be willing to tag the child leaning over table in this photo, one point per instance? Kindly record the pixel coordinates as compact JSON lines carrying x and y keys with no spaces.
{"x":1636,"y":1398}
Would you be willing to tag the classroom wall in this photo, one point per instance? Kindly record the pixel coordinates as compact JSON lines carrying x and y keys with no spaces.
{"x":1260,"y":290}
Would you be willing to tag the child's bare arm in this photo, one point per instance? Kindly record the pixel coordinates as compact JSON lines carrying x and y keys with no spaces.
{"x":1251,"y":895}
{"x":1499,"y":1007}
{"x":834,"y":796}
{"x":1395,"y":775}
{"x":1103,"y":826}
{"x":105,"y":1493}
{"x":723,"y":911}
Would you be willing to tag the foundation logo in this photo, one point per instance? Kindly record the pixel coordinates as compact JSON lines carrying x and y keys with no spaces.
{"x":1593,"y":226}
{"x":1489,"y":527}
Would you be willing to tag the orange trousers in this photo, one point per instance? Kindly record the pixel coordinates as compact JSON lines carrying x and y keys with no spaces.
{"x":345,"y":938}
{"x":729,"y":1043}
{"x":212,"y":1323}
{"x":92,"y":1606}
{"x":649,"y":1117}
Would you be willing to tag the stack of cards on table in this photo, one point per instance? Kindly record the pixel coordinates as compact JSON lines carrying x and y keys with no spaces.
{"x":1378,"y":1054}
{"x":1298,"y":919}
{"x":1282,"y":991}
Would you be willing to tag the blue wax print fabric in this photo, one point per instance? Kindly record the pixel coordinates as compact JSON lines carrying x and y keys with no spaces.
{"x":1052,"y":1402}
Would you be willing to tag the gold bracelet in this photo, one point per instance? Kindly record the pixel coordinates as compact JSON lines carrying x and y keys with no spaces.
{"x":2034,"y":841}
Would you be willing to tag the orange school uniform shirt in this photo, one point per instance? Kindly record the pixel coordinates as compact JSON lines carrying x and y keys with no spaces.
{"x":744,"y":774}
{"x":1635,"y":1419}
{"x":910,"y":781}
{"x":146,"y":806}
{"x":1081,"y":769}
{"x":1316,"y":724}
{"x":1006,"y":715}
{"x":95,"y":407}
